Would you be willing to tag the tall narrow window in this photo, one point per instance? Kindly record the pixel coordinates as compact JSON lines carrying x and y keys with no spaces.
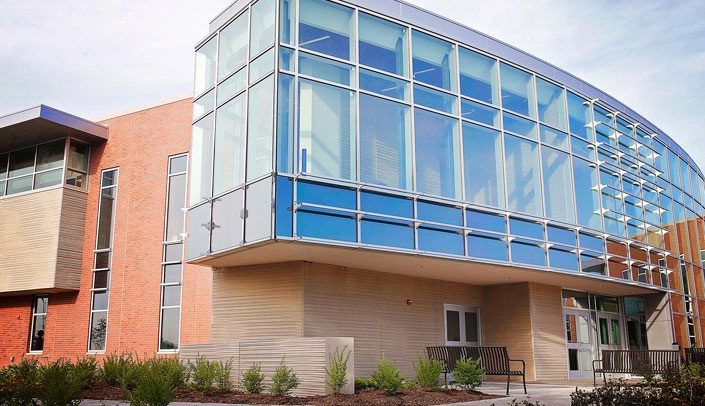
{"x":172,"y":265}
{"x":102,"y":261}
{"x":39,"y":315}
{"x":462,"y":325}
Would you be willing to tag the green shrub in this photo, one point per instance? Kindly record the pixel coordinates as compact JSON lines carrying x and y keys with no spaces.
{"x":252,"y":379}
{"x":152,"y":389}
{"x":170,"y":368}
{"x":284,"y":380}
{"x":114,"y":368}
{"x":22,"y":382}
{"x":5,"y":386}
{"x":363,"y":384}
{"x":203,"y":374}
{"x":134,"y":374}
{"x":86,"y":371}
{"x":387,"y":377}
{"x":222,"y":377}
{"x":428,"y":372}
{"x":59,"y":384}
{"x":337,"y":370}
{"x":468,"y":374}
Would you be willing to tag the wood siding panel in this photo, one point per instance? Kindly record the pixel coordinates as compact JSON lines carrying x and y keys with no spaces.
{"x":506,"y":321}
{"x":257,"y":302}
{"x":29,"y":240}
{"x":549,"y":337}
{"x":372,"y":308}
{"x":71,"y":233}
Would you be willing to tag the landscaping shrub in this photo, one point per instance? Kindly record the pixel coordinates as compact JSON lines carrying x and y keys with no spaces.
{"x":134,"y":374}
{"x":362,"y":384}
{"x":468,"y":374}
{"x":114,"y":368}
{"x":20,"y":382}
{"x":152,"y":382}
{"x":337,"y":370}
{"x":204,"y":374}
{"x":428,"y":372}
{"x":222,"y":376}
{"x":252,"y":379}
{"x":86,"y":371}
{"x":59,"y":384}
{"x":170,"y":368}
{"x":387,"y":377}
{"x":284,"y":380}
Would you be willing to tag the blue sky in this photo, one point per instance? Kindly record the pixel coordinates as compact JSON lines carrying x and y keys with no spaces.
{"x":93,"y":58}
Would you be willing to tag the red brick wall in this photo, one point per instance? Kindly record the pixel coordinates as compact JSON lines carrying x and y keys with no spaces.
{"x":139,"y":144}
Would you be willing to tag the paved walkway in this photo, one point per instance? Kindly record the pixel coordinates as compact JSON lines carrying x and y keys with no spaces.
{"x":547,"y":394}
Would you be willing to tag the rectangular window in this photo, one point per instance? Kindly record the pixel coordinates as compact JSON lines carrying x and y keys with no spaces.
{"x":437,"y":154}
{"x":483,"y":165}
{"x":433,"y":61}
{"x":462,"y":325}
{"x":172,"y":265}
{"x":102,"y":261}
{"x":39,"y":315}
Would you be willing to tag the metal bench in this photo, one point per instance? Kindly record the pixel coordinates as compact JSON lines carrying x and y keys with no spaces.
{"x":638,"y":362}
{"x":493,"y":360}
{"x":695,"y":356}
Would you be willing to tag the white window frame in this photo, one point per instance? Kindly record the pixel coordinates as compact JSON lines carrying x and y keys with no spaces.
{"x":463,"y":340}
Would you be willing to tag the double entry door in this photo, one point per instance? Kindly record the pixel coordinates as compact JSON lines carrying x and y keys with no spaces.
{"x":587,"y":334}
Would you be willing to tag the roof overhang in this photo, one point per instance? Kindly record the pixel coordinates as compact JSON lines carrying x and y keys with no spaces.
{"x":43,"y":123}
{"x":468,"y":271}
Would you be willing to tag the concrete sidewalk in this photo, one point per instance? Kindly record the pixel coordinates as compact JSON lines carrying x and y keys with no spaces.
{"x":548,"y":394}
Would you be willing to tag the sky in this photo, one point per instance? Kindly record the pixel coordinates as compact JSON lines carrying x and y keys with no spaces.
{"x":93,"y":58}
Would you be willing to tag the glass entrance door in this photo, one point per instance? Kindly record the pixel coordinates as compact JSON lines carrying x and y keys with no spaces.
{"x":578,"y":343}
{"x":609,"y":331}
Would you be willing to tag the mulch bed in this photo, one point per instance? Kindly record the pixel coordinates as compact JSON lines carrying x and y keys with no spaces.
{"x":406,"y":397}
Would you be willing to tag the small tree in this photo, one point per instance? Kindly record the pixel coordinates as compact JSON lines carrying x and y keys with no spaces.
{"x":428,"y":372}
{"x":252,"y":379}
{"x":337,"y":370}
{"x":284,"y":380}
{"x":468,"y":374}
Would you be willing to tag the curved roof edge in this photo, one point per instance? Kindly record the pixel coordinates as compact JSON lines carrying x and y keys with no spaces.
{"x":438,"y":24}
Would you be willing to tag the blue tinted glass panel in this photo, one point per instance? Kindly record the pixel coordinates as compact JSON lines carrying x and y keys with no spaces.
{"x":519,"y":125}
{"x":674,"y":172}
{"x":439,"y":213}
{"x":528,"y":252}
{"x":478,"y":76}
{"x":385,"y":204}
{"x":486,"y":221}
{"x":435,"y":240}
{"x":285,"y":124}
{"x":479,"y":112}
{"x":525,"y":228}
{"x":614,"y":224}
{"x":592,"y":262}
{"x":284,"y":201}
{"x":329,"y":225}
{"x":385,"y":143}
{"x":488,"y":246}
{"x":557,"y":185}
{"x":660,"y":157}
{"x":517,"y":90}
{"x":560,"y":235}
{"x":384,"y":85}
{"x":383,"y":44}
{"x":591,"y":242}
{"x":523,"y":177}
{"x":587,"y":197}
{"x":551,"y":100}
{"x":326,"y":28}
{"x":435,"y":99}
{"x":582,"y":148}
{"x":390,"y":233}
{"x":610,"y":176}
{"x":326,"y":195}
{"x":553,"y":137}
{"x":433,"y":61}
{"x":326,"y":69}
{"x":563,"y":258}
{"x":437,"y":154}
{"x":484,"y":170}
{"x":579,"y":117}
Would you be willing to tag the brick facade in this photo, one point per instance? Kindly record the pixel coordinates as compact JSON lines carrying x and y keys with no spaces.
{"x":139,"y":144}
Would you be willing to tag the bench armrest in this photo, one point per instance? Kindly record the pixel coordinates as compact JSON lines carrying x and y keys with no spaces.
{"x":593,"y":363}
{"x":523,"y":364}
